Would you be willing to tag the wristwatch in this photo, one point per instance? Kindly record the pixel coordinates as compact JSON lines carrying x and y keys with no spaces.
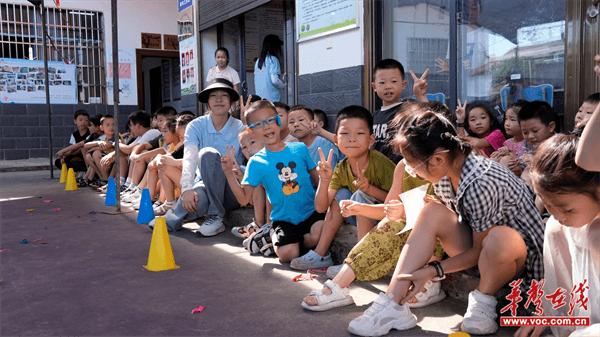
{"x":438,"y":269}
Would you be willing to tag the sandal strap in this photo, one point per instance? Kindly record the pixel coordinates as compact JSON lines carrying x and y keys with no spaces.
{"x":336,"y":293}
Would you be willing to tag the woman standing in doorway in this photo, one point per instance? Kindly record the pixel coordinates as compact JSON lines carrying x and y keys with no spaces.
{"x":267,"y":71}
{"x":223,"y":70}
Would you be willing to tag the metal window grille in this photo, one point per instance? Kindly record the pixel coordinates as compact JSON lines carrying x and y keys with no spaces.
{"x":75,"y":37}
{"x":422,"y":52}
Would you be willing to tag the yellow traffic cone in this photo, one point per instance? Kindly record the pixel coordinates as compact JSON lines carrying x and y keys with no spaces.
{"x":160,"y":257}
{"x":71,"y":184}
{"x":63,"y":173}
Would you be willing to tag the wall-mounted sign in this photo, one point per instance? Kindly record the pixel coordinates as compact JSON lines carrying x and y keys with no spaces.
{"x":316,"y":18}
{"x":188,"y":66}
{"x":183,"y":4}
{"x":151,"y":40}
{"x":22,"y":81}
{"x":127,"y":77}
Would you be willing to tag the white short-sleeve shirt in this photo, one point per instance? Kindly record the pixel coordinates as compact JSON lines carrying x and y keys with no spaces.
{"x":147,"y":137}
{"x":228,"y":73}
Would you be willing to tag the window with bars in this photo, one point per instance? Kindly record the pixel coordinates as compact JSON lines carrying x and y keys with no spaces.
{"x":74,"y":37}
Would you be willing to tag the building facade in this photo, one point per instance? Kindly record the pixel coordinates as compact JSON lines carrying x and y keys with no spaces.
{"x":80,"y":38}
{"x":485,"y":50}
{"x":476,"y":50}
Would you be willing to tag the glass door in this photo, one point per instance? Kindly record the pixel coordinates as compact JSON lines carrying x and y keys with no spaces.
{"x":417,"y":33}
{"x":510,"y":50}
{"x":478,"y":50}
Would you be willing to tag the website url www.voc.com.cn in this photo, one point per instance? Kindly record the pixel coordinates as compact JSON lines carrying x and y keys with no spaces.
{"x":544,"y":321}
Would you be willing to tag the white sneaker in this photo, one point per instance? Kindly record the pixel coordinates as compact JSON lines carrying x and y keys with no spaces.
{"x":163,"y":208}
{"x":136,"y":202}
{"x":136,"y":194}
{"x":333,"y":271}
{"x":433,"y":293}
{"x":212,"y":226}
{"x":480,"y":318}
{"x":381,"y":317}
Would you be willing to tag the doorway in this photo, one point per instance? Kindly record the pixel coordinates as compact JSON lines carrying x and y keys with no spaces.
{"x":158,"y":79}
{"x":243,"y":35}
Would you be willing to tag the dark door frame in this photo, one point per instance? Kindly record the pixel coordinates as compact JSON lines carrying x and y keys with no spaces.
{"x":139,"y":55}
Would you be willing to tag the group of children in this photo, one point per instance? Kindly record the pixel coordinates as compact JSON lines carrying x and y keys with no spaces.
{"x":500,"y":196}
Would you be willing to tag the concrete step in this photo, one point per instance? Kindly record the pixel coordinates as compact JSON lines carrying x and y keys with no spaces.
{"x":456,"y":285}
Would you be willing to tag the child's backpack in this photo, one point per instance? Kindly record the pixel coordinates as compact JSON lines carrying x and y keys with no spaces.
{"x":260,"y":242}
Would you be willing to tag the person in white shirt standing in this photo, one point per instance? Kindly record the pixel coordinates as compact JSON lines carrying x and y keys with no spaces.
{"x":223,"y":70}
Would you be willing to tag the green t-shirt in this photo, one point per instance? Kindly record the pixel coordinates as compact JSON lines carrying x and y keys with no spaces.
{"x":380,"y":173}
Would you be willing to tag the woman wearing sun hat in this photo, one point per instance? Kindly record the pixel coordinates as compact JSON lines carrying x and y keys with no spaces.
{"x":206,"y":140}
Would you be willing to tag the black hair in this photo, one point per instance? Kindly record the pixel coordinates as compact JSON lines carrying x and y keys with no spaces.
{"x":311,"y":113}
{"x":494,"y":123}
{"x":440,"y":108}
{"x":354,"y":111}
{"x":96,"y":120}
{"x":259,"y":105}
{"x":184,"y":119}
{"x":165,"y":111}
{"x":593,"y":98}
{"x":537,"y":109}
{"x":255,"y":98}
{"x":81,"y":112}
{"x":186,"y":112}
{"x":516,"y":106}
{"x":223,"y":49}
{"x":554,"y":169}
{"x":282,"y":105}
{"x":170,"y":124}
{"x":140,"y":117}
{"x":423,"y":132}
{"x":389,"y":64}
{"x":271,"y":46}
{"x":322,"y":116}
{"x":105,"y":117}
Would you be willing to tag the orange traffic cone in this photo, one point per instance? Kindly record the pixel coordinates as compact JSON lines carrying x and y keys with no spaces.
{"x":71,"y":184}
{"x":63,"y":173}
{"x":160,"y":257}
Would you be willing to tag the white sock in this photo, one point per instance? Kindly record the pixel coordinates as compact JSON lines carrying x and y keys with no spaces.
{"x":122,"y":181}
{"x":128,"y":181}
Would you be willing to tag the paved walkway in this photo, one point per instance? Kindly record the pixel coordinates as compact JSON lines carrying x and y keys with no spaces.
{"x":31,"y":164}
{"x":81,"y":274}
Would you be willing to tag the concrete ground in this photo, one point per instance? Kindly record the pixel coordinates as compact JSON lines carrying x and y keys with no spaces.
{"x":31,"y":164}
{"x":81,"y":274}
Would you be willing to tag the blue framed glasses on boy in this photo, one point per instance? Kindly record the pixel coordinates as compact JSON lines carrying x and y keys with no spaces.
{"x":265,"y":122}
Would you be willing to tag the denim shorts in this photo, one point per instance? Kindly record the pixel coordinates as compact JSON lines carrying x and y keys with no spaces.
{"x":358,"y":196}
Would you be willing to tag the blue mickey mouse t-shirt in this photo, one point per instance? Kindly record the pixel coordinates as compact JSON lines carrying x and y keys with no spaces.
{"x":286,"y":179}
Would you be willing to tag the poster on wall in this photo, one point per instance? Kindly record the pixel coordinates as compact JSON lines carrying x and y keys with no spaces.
{"x":23,"y":81}
{"x":188,"y":66}
{"x":317,"y":18}
{"x":126,"y":80}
